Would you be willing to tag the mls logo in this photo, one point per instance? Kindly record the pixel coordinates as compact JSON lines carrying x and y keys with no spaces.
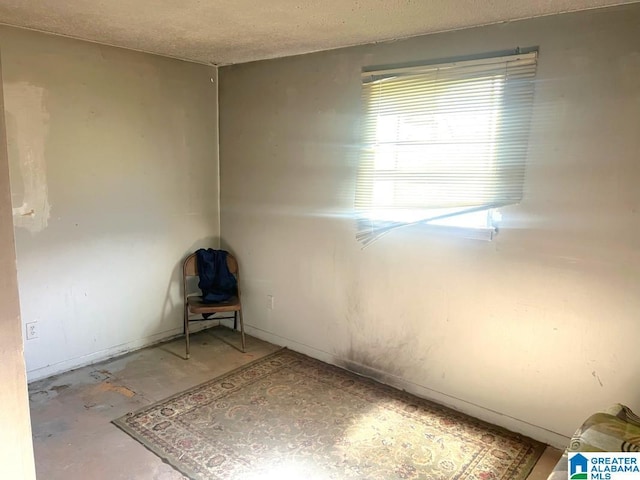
{"x":604,"y":466}
{"x":578,"y":465}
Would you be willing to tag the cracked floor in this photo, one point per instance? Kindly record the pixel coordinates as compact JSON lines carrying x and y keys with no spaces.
{"x":71,"y":413}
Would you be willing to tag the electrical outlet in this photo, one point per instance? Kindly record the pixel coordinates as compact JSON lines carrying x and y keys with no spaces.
{"x":270,"y":302}
{"x":32,"y":330}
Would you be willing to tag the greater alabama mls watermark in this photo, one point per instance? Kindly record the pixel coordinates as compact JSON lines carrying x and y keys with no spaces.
{"x":604,"y":466}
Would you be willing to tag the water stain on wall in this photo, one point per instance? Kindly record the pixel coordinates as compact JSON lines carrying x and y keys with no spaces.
{"x":27,"y":130}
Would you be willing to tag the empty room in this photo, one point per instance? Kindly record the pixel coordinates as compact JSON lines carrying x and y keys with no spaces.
{"x":334,"y":240}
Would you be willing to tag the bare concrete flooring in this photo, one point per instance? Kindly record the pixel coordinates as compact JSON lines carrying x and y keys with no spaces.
{"x":71,"y":413}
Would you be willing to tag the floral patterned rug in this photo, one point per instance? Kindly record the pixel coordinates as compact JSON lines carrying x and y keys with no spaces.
{"x":287,"y":416}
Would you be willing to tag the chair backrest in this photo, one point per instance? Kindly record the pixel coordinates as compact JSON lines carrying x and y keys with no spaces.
{"x":190,"y":267}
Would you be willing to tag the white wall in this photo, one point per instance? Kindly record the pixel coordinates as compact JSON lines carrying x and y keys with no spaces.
{"x":535,"y":330}
{"x":114,"y":178}
{"x":16,"y":454}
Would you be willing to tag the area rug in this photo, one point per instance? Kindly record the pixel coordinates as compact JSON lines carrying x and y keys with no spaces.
{"x":287,"y":416}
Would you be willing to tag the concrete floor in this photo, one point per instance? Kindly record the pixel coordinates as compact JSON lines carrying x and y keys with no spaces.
{"x":71,"y":413}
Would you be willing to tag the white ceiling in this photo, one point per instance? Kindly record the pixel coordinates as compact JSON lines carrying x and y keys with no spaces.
{"x":236,"y":31}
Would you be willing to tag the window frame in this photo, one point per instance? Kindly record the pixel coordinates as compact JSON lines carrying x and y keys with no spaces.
{"x":498,"y":145}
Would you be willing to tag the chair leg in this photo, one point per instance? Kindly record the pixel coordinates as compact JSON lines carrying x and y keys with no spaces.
{"x":186,"y":330}
{"x":242,"y":331}
{"x":235,"y":320}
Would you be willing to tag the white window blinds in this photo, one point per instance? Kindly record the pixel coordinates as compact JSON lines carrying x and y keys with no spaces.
{"x":442,"y":140}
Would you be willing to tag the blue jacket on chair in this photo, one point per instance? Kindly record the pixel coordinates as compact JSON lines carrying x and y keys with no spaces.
{"x":216,"y":281}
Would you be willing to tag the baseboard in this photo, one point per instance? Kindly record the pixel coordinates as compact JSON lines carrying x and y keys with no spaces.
{"x":496,"y":418}
{"x":106,"y":354}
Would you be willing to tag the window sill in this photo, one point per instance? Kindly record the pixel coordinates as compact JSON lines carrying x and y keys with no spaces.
{"x":473,"y":233}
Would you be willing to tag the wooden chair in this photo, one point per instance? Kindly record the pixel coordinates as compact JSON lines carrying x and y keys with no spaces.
{"x":193,"y":303}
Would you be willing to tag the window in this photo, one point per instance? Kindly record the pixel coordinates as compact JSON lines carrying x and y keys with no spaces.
{"x":443,"y":144}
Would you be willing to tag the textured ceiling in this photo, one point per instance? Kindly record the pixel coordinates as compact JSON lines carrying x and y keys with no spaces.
{"x":236,"y":31}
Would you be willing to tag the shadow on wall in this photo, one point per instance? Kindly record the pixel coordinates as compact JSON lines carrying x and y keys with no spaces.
{"x":172,"y":308}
